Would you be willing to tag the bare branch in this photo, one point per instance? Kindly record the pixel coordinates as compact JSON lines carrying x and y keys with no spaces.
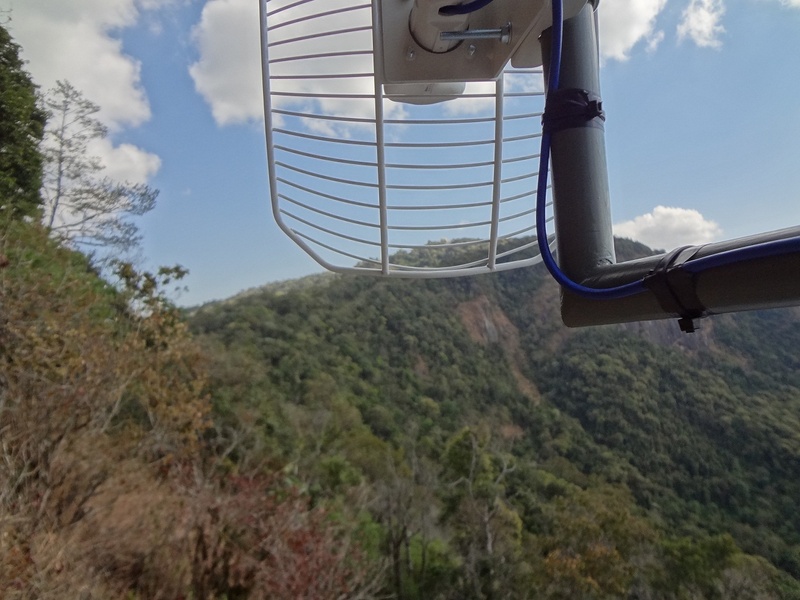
{"x":85,"y":207}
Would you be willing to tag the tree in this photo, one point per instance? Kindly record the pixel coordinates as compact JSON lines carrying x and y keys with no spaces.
{"x":22,"y":124}
{"x":487,"y":529}
{"x":596,"y":547}
{"x":81,"y":205}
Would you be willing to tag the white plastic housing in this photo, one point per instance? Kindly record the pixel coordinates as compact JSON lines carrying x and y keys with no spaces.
{"x":426,"y":25}
{"x":406,"y":60}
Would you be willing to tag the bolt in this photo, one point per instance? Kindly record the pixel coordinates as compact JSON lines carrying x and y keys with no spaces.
{"x":505,"y":34}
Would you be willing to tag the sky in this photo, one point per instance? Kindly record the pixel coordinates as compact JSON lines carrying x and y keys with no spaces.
{"x":702,"y":132}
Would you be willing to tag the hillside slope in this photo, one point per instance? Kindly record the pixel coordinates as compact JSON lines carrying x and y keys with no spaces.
{"x":697,"y":435}
{"x":114,"y":482}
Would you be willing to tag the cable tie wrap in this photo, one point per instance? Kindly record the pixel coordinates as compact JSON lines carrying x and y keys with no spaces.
{"x":570,"y":108}
{"x":675,"y":288}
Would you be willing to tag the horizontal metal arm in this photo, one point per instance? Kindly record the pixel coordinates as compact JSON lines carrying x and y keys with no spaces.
{"x":749,"y":284}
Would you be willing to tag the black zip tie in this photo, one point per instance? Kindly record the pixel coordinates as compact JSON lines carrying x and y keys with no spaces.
{"x":675,"y":289}
{"x":572,"y":107}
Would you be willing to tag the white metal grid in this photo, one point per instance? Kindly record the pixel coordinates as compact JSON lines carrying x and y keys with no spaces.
{"x":367,"y":184}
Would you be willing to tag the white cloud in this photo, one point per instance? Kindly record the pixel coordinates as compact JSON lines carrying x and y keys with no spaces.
{"x":228,"y":73}
{"x":654,"y":41}
{"x":669,"y":227}
{"x":78,"y":41}
{"x":624,"y":23}
{"x":125,"y":162}
{"x":700,"y":22}
{"x":478,"y":98}
{"x":228,"y":70}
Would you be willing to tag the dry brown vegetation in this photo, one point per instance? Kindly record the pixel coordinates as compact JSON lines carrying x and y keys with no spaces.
{"x":108,"y":488}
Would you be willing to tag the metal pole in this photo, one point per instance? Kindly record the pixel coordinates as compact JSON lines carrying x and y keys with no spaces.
{"x":581,"y":202}
{"x":582,"y":208}
{"x":752,"y":284}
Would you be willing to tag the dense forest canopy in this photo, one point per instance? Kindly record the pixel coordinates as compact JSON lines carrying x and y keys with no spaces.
{"x":515,"y":427}
{"x":22,"y":122}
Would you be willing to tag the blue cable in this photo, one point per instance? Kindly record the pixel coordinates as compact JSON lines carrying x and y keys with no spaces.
{"x":541,"y":189}
{"x":464,"y":9}
{"x":700,"y":265}
{"x":762,"y":250}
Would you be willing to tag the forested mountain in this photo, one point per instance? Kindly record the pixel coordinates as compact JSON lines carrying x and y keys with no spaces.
{"x":348,"y":438}
{"x":502,"y":455}
{"x":345,"y":437}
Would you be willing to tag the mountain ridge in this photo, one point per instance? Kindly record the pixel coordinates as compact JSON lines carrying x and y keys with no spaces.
{"x":642,"y":407}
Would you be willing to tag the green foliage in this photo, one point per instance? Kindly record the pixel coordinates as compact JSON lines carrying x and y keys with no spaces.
{"x":357,"y":437}
{"x":754,"y":362}
{"x":683,"y":427}
{"x":695,"y":565}
{"x":539,"y":462}
{"x":418,"y":440}
{"x":22,"y":124}
{"x":594,"y":546}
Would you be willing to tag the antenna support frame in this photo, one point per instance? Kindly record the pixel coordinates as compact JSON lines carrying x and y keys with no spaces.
{"x":763,"y":278}
{"x":482,"y":60}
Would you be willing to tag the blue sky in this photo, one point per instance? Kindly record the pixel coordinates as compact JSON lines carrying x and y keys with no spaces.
{"x":702,"y":99}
